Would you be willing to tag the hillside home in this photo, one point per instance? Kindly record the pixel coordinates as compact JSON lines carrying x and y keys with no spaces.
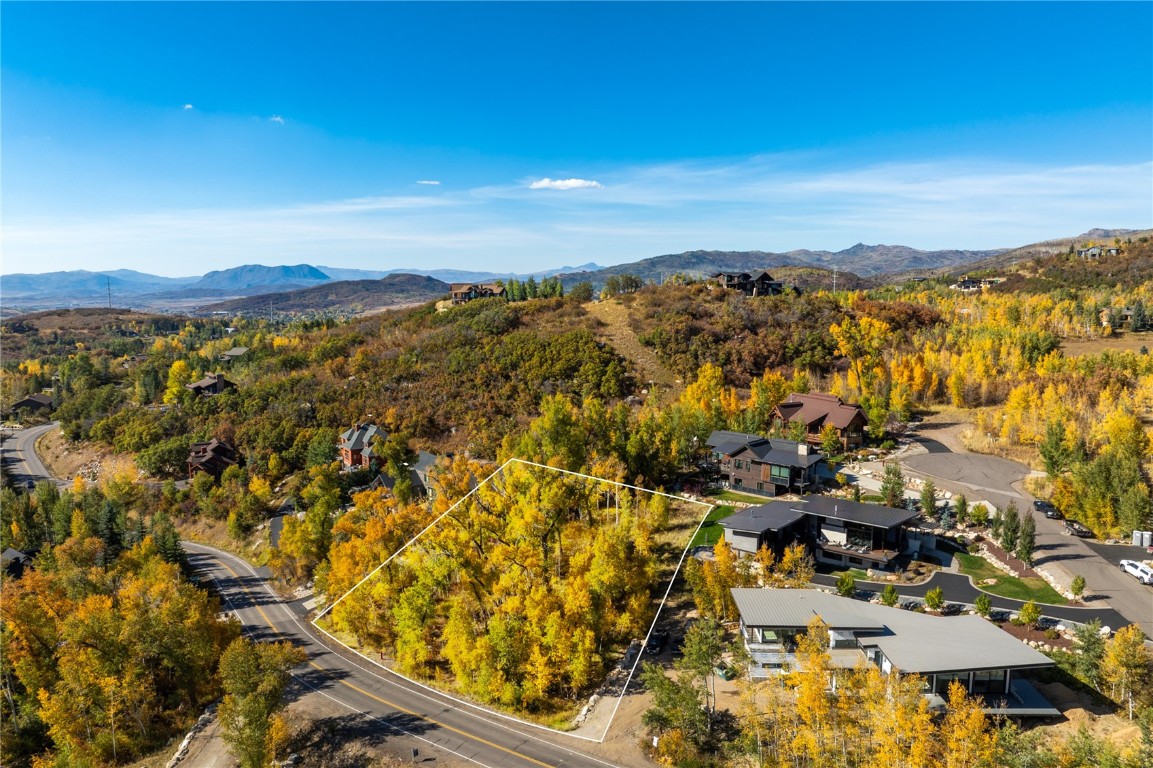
{"x":419,"y":476}
{"x":761,"y":465}
{"x":212,"y":457}
{"x":1097,"y":251}
{"x":836,"y":531}
{"x":751,"y":284}
{"x":211,"y":384}
{"x":815,"y":410}
{"x":33,"y":403}
{"x":233,"y":354}
{"x":465,"y":292}
{"x":968,"y":649}
{"x":356,"y":445}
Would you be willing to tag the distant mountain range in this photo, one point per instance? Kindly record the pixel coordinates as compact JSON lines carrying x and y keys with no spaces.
{"x":863,"y":260}
{"x":128,"y":287}
{"x":125,"y":287}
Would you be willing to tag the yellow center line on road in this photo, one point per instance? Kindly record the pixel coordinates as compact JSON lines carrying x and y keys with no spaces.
{"x":386,"y":702}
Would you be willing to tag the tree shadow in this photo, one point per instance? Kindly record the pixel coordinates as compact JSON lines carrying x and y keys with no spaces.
{"x":353,"y":740}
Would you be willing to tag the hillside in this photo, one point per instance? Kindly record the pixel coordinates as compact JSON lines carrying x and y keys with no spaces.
{"x":345,"y":296}
{"x":1062,"y":270}
{"x":1059,"y":245}
{"x":860,"y":259}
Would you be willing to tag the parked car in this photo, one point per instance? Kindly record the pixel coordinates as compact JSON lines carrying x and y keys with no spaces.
{"x":1075,"y":528}
{"x":1048,"y":510}
{"x":657,"y":642}
{"x":1139,"y":571}
{"x":724,"y":672}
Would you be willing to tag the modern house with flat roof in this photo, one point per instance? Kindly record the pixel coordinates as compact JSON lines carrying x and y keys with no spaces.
{"x":762,"y":465}
{"x":836,"y":531}
{"x":940,"y":649}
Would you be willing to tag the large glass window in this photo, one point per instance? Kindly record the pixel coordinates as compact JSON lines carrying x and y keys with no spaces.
{"x":780,"y":475}
{"x":942,"y":685}
{"x":989,"y":681}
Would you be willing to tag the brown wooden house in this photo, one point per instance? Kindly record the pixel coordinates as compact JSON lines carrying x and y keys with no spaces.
{"x":815,"y":410}
{"x":212,"y":457}
{"x":465,"y":292}
{"x":211,"y":384}
{"x":751,"y":284}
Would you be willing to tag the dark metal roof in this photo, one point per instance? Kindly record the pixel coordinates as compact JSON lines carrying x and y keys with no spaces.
{"x":767,"y":517}
{"x":856,"y":512}
{"x":783,"y":453}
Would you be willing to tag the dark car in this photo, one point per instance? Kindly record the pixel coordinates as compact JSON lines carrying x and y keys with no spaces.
{"x":1075,"y":528}
{"x":657,"y":642}
{"x":1047,"y":509}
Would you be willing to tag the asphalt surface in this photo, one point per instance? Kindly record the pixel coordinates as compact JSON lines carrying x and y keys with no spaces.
{"x":409,"y":717}
{"x":18,"y":455}
{"x":999,"y":481}
{"x":958,"y":588}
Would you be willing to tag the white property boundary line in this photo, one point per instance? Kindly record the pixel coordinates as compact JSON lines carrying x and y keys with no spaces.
{"x":492,"y":712}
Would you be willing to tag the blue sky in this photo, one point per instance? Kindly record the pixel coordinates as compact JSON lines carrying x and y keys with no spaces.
{"x":176,"y":138}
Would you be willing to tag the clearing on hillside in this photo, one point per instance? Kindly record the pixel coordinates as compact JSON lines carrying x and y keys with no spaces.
{"x":527,"y":594}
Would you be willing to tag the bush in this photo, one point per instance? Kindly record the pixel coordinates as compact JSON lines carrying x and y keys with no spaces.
{"x":982,"y":604}
{"x":889,"y":596}
{"x":1030,"y":614}
{"x":846,"y":584}
{"x":935,"y":599}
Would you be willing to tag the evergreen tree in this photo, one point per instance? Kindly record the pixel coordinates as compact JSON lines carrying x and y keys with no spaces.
{"x":961,"y":509}
{"x":1010,"y":528}
{"x":929,"y":499}
{"x":982,"y":604}
{"x":1140,"y":319}
{"x":889,"y":595}
{"x":1055,"y":453}
{"x":531,"y":290}
{"x":893,"y":485}
{"x":1027,"y":538}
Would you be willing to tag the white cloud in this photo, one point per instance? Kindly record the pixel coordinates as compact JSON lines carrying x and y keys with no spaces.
{"x":430,"y":182}
{"x":188,"y":107}
{"x":276,"y":119}
{"x":547,"y":183}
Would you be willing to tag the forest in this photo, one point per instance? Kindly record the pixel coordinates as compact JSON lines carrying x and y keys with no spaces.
{"x":522,"y":594}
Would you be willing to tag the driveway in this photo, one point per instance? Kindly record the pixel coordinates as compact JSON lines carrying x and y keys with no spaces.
{"x":999,"y":481}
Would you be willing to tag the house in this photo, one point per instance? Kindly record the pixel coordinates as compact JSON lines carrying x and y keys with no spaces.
{"x":418,"y":475}
{"x":815,"y":410}
{"x":13,"y":562}
{"x":837,"y":531}
{"x":33,"y":403}
{"x":232,"y":354}
{"x":751,"y":284}
{"x":764,"y":465}
{"x":211,"y":384}
{"x":968,"y":649}
{"x":356,"y":445}
{"x":465,"y":292}
{"x":966,"y":285}
{"x":212,"y":457}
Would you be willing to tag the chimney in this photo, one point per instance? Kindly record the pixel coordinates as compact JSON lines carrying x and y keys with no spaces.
{"x":802,"y":449}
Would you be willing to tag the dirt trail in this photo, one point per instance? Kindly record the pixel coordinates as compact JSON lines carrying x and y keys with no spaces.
{"x":619,"y":333}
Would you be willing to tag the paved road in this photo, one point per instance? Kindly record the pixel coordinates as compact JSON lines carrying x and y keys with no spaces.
{"x":998,"y":481}
{"x":408,"y":716}
{"x":18,"y":456}
{"x":958,"y":588}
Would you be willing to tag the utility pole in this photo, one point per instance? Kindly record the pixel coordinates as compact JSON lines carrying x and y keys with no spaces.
{"x":834,"y":279}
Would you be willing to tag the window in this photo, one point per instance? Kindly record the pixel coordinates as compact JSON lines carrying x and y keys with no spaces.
{"x":780,"y":475}
{"x":989,"y":681}
{"x":760,"y":486}
{"x":941,"y":687}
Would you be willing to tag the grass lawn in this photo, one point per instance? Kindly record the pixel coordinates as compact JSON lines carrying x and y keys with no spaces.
{"x":1008,"y":586}
{"x":744,"y":498}
{"x":710,"y":532}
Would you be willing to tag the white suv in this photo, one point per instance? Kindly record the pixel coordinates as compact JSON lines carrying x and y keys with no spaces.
{"x":1139,"y":571}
